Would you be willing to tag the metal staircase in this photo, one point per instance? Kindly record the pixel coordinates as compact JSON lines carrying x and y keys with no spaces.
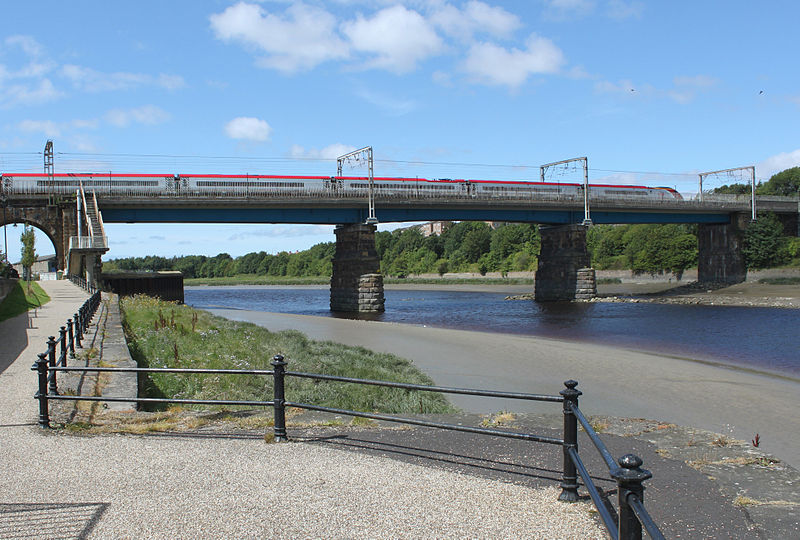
{"x":86,"y":249}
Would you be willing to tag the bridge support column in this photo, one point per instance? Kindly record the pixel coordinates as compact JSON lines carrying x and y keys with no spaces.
{"x":720,"y":257}
{"x":564,"y":271}
{"x":356,"y":283}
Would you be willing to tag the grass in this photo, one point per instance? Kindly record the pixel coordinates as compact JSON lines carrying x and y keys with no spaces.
{"x":780,"y":281}
{"x":609,"y":281}
{"x":164,"y":334}
{"x":19,"y":300}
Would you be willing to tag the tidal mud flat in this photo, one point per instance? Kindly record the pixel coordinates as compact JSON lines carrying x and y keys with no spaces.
{"x":615,"y":381}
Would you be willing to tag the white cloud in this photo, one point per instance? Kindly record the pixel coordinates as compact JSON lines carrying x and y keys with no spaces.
{"x":777,"y":163}
{"x":562,"y":9}
{"x":697,"y":81}
{"x":622,"y":9}
{"x":28,"y":44}
{"x":283,"y":231}
{"x":398,"y":38}
{"x":90,"y":80}
{"x":491,"y":64}
{"x":248,"y":128}
{"x":476,"y":17}
{"x":331,"y":151}
{"x":147,"y":114}
{"x":46,"y":127}
{"x":28,"y":94}
{"x":684,"y":89}
{"x":301,"y":38}
{"x":390,"y":106}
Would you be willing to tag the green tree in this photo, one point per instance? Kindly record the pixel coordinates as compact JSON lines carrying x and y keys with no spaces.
{"x":658,"y":249}
{"x":476,"y":242}
{"x":736,"y":189}
{"x":764,"y":245}
{"x":785,"y":183}
{"x":28,"y":239}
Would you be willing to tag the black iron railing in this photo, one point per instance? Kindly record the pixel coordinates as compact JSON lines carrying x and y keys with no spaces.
{"x":63,"y":347}
{"x":628,"y":475}
{"x":81,"y":282}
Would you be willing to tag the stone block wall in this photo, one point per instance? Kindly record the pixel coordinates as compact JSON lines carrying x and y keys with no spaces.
{"x":564,"y":271}
{"x":720,"y":259}
{"x":356,"y":282}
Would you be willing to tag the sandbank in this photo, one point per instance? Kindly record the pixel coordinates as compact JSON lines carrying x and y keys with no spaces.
{"x":615,"y":381}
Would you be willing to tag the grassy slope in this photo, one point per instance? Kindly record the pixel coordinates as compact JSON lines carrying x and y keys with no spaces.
{"x":19,"y":300}
{"x":162,"y":334}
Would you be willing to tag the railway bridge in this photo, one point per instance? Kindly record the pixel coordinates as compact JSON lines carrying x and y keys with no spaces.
{"x":74,"y":222}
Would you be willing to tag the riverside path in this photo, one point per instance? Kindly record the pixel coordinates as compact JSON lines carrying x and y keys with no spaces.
{"x":55,"y":485}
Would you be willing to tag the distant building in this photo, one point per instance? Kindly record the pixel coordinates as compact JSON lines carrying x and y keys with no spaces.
{"x":436,"y":228}
{"x":43,"y":265}
{"x":433,"y":228}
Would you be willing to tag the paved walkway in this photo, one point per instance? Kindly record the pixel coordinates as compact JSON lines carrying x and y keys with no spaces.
{"x":59,"y":486}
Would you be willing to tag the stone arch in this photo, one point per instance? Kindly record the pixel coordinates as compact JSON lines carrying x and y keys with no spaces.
{"x":46,"y":219}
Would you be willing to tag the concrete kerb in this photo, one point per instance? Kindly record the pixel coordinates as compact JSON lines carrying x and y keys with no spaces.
{"x":104,"y":345}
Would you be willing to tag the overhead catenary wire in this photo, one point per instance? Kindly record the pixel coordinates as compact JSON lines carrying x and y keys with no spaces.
{"x":20,"y":159}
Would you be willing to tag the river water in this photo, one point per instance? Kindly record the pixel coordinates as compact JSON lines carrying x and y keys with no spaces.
{"x":760,"y":338}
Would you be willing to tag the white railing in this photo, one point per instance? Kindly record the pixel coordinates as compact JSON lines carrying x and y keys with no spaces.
{"x":88,"y":242}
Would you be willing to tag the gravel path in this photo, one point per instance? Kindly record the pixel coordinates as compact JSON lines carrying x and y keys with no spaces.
{"x":60,"y":486}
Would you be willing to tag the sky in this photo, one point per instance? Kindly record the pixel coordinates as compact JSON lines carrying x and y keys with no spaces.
{"x":651,"y":92}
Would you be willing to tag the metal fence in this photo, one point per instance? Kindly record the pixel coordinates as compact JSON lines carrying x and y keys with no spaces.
{"x":83,"y":283}
{"x":628,"y":474}
{"x":58,"y":350}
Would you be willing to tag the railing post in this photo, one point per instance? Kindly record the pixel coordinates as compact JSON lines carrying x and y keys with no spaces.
{"x":41,"y":367}
{"x":278,"y":375}
{"x":77,"y":322}
{"x":569,"y":476}
{"x":51,"y":353}
{"x":62,"y":336}
{"x":70,"y":324}
{"x":629,"y":479}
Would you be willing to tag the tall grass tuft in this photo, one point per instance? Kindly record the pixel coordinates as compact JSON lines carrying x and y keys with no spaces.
{"x":163,"y":334}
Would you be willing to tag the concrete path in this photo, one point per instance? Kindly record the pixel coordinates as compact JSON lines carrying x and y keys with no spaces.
{"x":232,"y":486}
{"x":615,"y":382}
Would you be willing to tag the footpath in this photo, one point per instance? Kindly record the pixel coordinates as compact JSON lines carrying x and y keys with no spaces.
{"x":340,"y":480}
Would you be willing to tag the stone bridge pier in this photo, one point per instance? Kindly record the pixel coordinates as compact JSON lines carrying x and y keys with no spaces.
{"x":564,"y":271}
{"x":356,"y":282}
{"x":720,"y":259}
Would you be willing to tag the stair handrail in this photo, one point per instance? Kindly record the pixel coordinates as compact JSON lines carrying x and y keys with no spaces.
{"x":85,"y":210}
{"x":99,"y":218}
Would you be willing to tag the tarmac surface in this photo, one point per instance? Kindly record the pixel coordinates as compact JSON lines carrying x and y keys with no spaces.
{"x":358,"y":482}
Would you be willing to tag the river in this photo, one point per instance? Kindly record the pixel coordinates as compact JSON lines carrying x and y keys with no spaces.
{"x":764,"y":339}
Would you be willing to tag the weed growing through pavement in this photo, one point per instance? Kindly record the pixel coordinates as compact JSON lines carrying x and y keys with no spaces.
{"x":502,"y":418}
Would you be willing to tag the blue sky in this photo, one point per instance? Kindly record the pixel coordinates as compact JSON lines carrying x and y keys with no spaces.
{"x":478,"y":89}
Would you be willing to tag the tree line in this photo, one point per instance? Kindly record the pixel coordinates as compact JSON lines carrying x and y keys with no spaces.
{"x":480,"y":248}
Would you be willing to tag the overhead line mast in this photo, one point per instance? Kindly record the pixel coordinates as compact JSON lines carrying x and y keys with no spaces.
{"x":752,"y":170}
{"x":356,"y":155}
{"x":585,"y":161}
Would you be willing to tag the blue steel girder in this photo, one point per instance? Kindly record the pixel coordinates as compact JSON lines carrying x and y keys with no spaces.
{"x":348,"y":214}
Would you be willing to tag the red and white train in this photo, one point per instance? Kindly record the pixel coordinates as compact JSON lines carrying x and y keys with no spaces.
{"x":221,"y":185}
